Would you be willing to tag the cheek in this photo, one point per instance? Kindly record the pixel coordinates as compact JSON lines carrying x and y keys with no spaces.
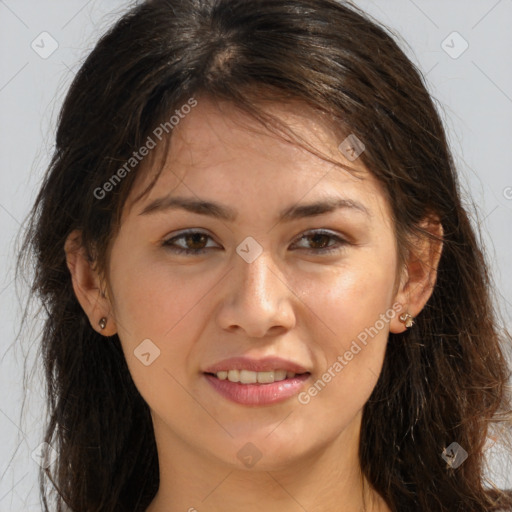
{"x":157,"y":304}
{"x":353,"y":297}
{"x":156,"y":301}
{"x":158,"y":317}
{"x":353,"y":314}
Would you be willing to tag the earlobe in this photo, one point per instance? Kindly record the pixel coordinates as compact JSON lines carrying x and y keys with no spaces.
{"x":420,"y":274}
{"x":87,"y":285}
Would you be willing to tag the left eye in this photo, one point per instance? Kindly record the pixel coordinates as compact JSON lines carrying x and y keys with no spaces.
{"x":194,"y":242}
{"x":321,"y":238}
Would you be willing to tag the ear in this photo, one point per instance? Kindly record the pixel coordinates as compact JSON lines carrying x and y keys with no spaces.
{"x":87,"y":284}
{"x":419,"y":272}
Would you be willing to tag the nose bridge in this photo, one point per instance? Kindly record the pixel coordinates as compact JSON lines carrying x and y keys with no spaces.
{"x":257,"y":297}
{"x":257,"y":280}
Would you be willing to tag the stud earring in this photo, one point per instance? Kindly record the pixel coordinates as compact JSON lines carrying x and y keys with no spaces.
{"x":103,"y":323}
{"x":407,"y":319}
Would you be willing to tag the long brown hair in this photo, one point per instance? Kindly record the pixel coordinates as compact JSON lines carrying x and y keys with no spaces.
{"x":442,"y":381}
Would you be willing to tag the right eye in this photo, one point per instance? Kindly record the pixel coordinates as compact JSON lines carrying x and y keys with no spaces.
{"x":193,"y":242}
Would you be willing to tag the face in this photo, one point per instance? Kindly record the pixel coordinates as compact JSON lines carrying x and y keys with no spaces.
{"x":310,"y":293}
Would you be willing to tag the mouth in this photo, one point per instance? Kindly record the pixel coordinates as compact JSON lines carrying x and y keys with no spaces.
{"x":251,"y":388}
{"x":256,"y":382}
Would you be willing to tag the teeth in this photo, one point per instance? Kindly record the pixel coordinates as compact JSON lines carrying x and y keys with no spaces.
{"x":280,"y":375}
{"x":247,"y":377}
{"x":234,"y":376}
{"x":266,"y":377}
{"x":250,"y":377}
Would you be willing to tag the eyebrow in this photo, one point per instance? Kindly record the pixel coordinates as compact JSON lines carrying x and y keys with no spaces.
{"x":219,"y":211}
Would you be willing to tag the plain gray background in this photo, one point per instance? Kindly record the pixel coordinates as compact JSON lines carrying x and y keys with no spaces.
{"x":473,"y":89}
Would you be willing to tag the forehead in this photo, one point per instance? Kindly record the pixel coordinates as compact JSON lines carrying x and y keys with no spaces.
{"x":218,"y":151}
{"x":217,"y":131}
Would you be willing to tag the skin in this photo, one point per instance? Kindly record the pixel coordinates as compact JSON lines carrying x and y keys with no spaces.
{"x":290,"y":301}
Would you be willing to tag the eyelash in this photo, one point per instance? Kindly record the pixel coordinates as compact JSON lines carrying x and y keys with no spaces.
{"x":168,"y":244}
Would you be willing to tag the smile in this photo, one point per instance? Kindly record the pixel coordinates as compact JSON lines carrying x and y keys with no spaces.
{"x":257,"y":388}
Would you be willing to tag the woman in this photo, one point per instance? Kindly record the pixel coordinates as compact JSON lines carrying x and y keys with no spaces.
{"x":263,"y":291}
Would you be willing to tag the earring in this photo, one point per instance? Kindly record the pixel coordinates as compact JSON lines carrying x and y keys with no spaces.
{"x":103,"y":322}
{"x":407,"y":319}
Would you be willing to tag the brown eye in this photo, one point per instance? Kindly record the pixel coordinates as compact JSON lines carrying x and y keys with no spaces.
{"x":193,"y":242}
{"x":320,"y":241}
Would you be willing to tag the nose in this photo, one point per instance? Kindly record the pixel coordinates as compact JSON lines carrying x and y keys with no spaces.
{"x":257,"y":300}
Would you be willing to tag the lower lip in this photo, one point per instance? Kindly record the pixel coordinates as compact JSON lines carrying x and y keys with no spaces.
{"x":258,"y":394}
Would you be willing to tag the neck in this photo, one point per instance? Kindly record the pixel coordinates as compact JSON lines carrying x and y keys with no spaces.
{"x":192,"y":481}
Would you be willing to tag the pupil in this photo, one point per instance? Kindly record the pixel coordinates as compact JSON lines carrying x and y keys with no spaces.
{"x":195,"y":238}
{"x":316,"y":236}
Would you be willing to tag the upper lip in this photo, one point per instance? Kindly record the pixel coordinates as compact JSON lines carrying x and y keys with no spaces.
{"x":265,"y":364}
